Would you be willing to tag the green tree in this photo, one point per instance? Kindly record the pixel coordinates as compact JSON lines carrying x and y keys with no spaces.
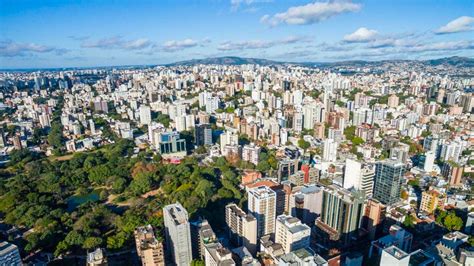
{"x":409,"y":221}
{"x":117,"y":241}
{"x":303,"y":144}
{"x":470,"y":241}
{"x":141,"y":184}
{"x":263,"y":166}
{"x":92,"y":242}
{"x":197,"y":263}
{"x":357,"y":141}
{"x":349,"y":132}
{"x":55,"y":136}
{"x":164,"y":119}
{"x":452,"y":222}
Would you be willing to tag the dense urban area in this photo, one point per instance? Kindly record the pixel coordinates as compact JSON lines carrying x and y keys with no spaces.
{"x":225,"y":163}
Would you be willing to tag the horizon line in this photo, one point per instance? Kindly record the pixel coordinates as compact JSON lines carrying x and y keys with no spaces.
{"x":188,"y":60}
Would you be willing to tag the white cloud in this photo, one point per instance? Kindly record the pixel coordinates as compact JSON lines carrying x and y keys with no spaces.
{"x":176,"y":45}
{"x":11,"y":49}
{"x":136,"y":44}
{"x":236,"y":4}
{"x":104,"y":43}
{"x":254,"y":44}
{"x":310,"y":13}
{"x":442,"y":46}
{"x":117,"y":42}
{"x":361,"y":35}
{"x":399,"y":50}
{"x":460,"y":24}
{"x":260,"y":44}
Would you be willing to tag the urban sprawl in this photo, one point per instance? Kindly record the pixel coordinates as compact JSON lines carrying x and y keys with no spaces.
{"x":248,"y":164}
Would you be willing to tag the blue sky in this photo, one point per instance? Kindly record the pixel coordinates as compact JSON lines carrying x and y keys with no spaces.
{"x":47,"y":33}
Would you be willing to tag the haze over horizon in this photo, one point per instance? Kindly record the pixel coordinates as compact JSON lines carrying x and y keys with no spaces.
{"x":39,"y":34}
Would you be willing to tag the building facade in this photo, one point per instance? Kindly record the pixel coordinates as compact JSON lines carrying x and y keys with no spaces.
{"x":177,"y":233}
{"x":388,"y":179}
{"x":262,"y":205}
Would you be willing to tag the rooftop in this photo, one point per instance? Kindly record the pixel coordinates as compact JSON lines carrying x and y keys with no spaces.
{"x":177,"y":212}
{"x":6,"y":248}
{"x":396,"y":252}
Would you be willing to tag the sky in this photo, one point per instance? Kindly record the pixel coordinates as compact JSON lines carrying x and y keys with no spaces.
{"x":87,"y":33}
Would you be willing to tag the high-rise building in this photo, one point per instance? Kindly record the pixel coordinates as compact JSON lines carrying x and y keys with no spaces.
{"x":250,"y":153}
{"x":466,"y":101}
{"x":212,"y":104}
{"x":242,"y":228}
{"x":201,"y":235}
{"x":180,"y":123}
{"x":341,"y":213}
{"x":145,"y":115}
{"x":216,"y":255}
{"x":298,"y":122}
{"x":305,"y":203}
{"x":429,"y":161}
{"x":17,"y":142}
{"x":330,"y":150}
{"x":169,"y":144}
{"x":229,"y":137}
{"x":203,"y":134}
{"x":286,"y":168}
{"x":9,"y":254}
{"x":178,"y":233}
{"x":318,"y":130}
{"x":291,"y":233}
{"x":149,"y":249}
{"x":44,"y":120}
{"x":392,"y":101}
{"x":262,"y":205}
{"x":373,"y":217}
{"x":400,"y":153}
{"x":2,"y":138}
{"x":359,"y":176}
{"x":388,"y":179}
{"x":92,"y":126}
{"x":453,"y":172}
{"x":352,"y":173}
{"x":451,"y":151}
{"x":397,"y":236}
{"x":432,"y":200}
{"x":394,"y":256}
{"x":309,"y":115}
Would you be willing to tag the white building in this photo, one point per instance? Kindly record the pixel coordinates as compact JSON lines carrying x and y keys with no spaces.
{"x":262,"y":205}
{"x":359,"y":177}
{"x":145,"y":115}
{"x":330,"y":150}
{"x":394,"y":256}
{"x":229,"y":137}
{"x":178,"y":233}
{"x":298,"y":122}
{"x":250,"y":153}
{"x":242,"y":227}
{"x":44,"y":120}
{"x":291,"y":233}
{"x":306,"y":203}
{"x":309,"y":115}
{"x":217,"y":255}
{"x":429,"y":161}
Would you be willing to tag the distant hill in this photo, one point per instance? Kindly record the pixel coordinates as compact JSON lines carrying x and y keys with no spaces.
{"x":454,"y":61}
{"x":226,"y":60}
{"x":235,"y":60}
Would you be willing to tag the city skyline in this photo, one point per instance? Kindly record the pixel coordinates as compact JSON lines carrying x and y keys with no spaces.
{"x":103,"y":33}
